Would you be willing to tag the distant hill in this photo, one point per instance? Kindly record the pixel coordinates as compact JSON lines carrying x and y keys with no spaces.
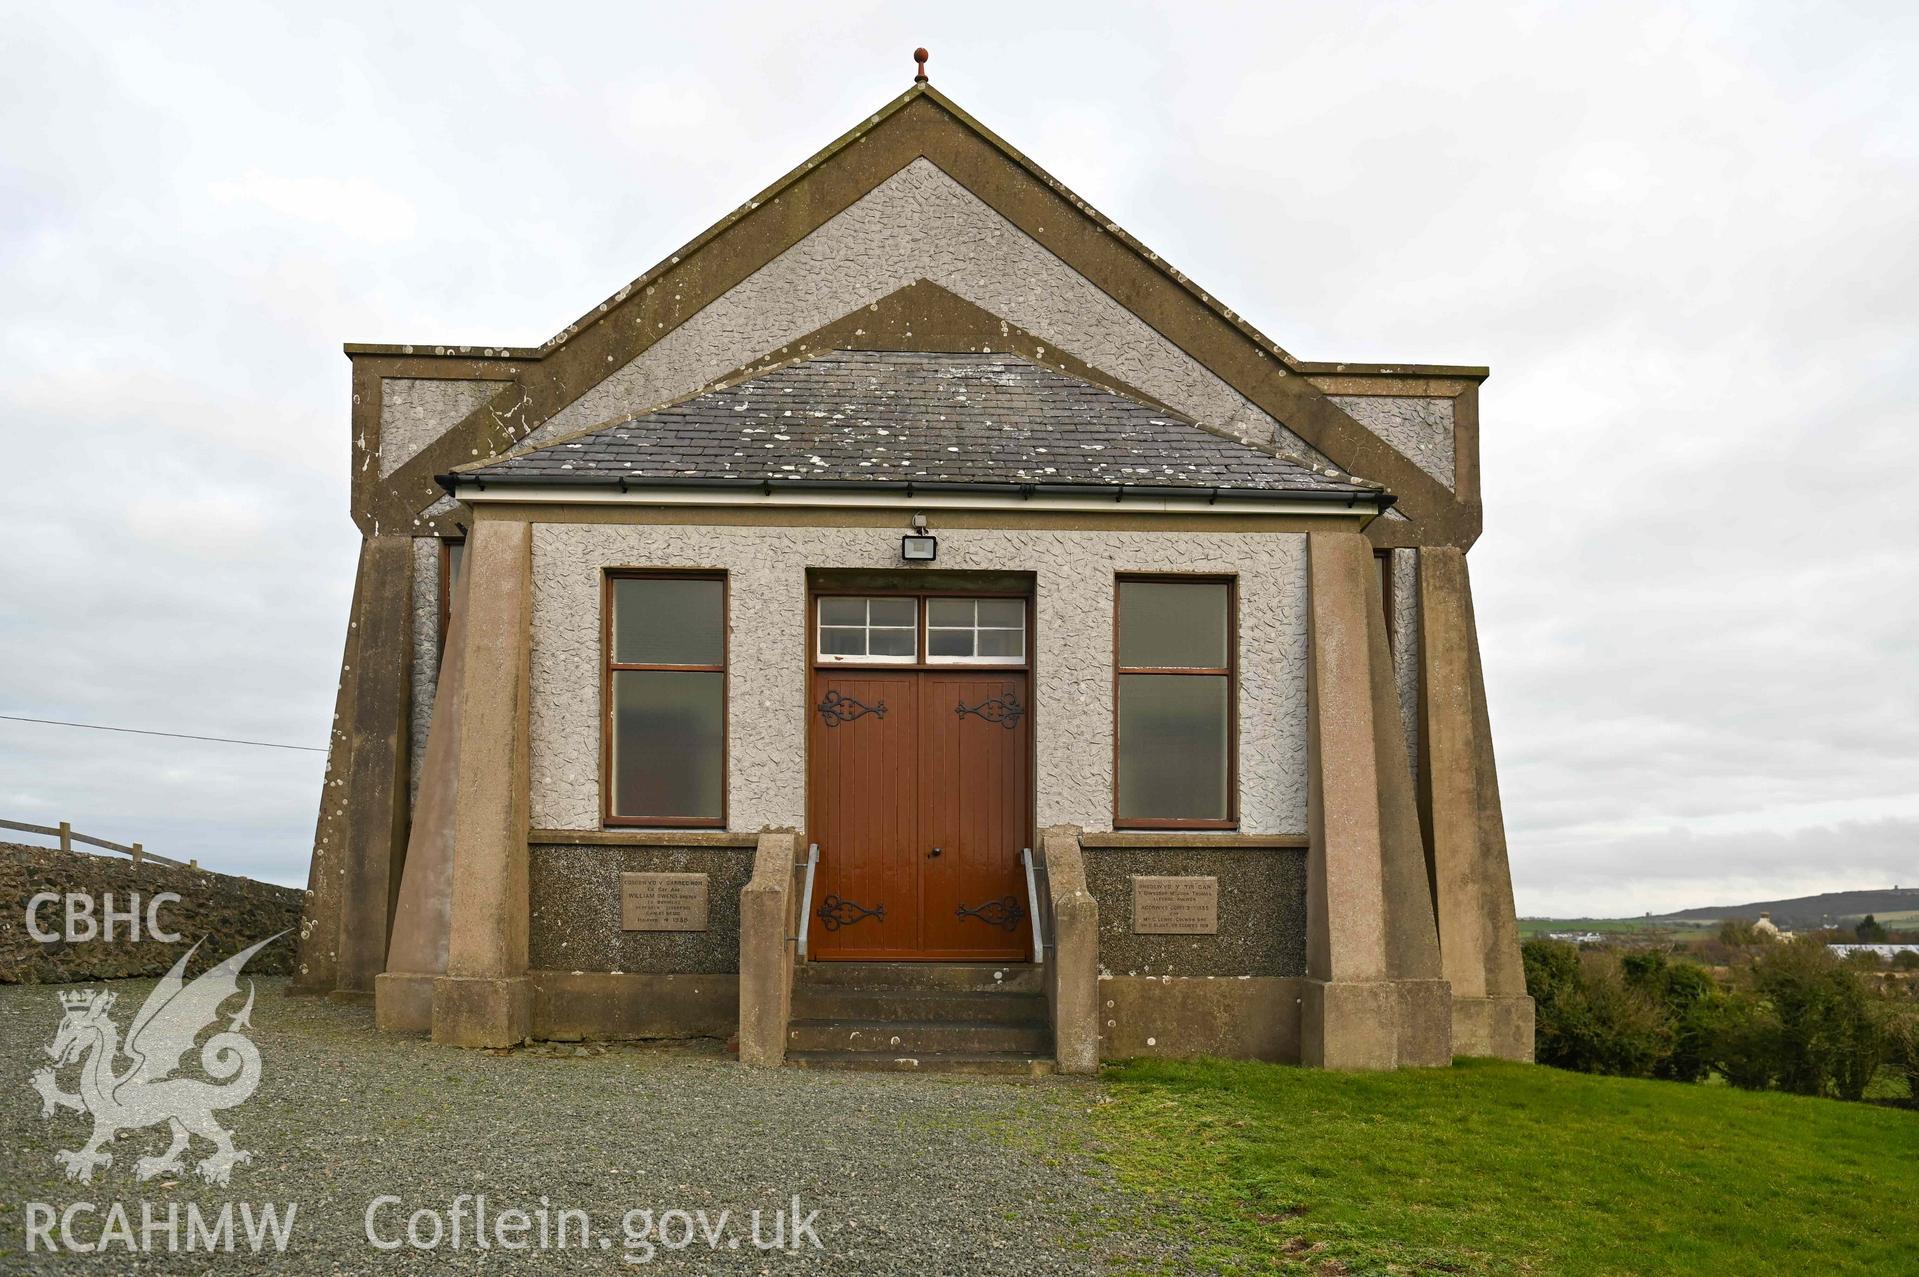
{"x":1813,"y":911}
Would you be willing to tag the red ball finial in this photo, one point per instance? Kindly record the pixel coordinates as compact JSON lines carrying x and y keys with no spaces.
{"x":919,"y":56}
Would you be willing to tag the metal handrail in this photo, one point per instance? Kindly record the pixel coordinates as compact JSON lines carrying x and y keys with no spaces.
{"x":1032,"y":905}
{"x":806,"y":896}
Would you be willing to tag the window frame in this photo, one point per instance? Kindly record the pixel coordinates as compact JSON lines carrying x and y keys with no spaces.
{"x":1229,"y":671}
{"x":927,"y":627}
{"x":918,"y":628}
{"x":609,"y":667}
{"x":921,"y":595}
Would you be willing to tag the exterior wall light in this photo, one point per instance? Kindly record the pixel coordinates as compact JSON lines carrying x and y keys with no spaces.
{"x":919,"y":545}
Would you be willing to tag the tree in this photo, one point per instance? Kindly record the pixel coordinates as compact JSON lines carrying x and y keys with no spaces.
{"x":1690,"y":998}
{"x":1588,"y":1016}
{"x":1901,"y":1028}
{"x":1745,"y":1041}
{"x":1828,"y":1033}
{"x":1869,"y":931}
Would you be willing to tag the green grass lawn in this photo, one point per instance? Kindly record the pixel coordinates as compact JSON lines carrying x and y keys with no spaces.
{"x":1506,"y":1168}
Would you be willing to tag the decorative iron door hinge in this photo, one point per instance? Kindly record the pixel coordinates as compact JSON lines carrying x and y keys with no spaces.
{"x":835,"y":912}
{"x":1005,"y":913}
{"x":1004,"y":709}
{"x":837,"y":709}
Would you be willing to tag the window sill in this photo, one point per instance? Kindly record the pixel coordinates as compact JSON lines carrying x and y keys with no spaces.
{"x":1179,"y":826}
{"x":1190,"y":838}
{"x":641,"y":838}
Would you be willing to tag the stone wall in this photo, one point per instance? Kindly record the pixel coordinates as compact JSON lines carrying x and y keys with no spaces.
{"x":1262,"y":911}
{"x":575,"y":899}
{"x":1179,"y":1017}
{"x":1403,"y":627}
{"x":224,"y":913}
{"x":1073,"y":715}
{"x":424,"y":639}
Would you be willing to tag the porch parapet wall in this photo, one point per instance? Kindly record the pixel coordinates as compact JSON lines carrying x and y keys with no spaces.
{"x":766,"y":951}
{"x":1072,"y":974}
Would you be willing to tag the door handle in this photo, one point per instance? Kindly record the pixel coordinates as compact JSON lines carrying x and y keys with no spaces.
{"x":933,"y":854}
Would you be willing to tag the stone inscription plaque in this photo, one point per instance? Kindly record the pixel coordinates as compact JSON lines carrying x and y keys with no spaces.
{"x":662,"y":902}
{"x":1175,"y":906}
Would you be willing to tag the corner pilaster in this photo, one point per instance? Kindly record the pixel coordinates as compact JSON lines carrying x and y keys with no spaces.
{"x":422,"y":920}
{"x":360,"y":837}
{"x":1465,"y":828}
{"x":1374,"y":997}
{"x":317,"y":968}
{"x":483,"y":1000}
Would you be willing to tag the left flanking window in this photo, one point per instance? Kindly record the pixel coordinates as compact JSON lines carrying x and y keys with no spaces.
{"x":665,"y":708}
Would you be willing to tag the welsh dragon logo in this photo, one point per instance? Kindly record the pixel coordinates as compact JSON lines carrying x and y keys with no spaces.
{"x":144,"y":1091}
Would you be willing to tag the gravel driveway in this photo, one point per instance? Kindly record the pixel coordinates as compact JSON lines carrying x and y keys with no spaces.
{"x":919,"y":1175}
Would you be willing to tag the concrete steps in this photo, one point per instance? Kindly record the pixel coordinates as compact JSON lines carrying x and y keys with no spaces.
{"x":917,"y":1037}
{"x":997,"y":1065}
{"x":999,"y":977}
{"x":920,"y":1017}
{"x":847,"y":1002}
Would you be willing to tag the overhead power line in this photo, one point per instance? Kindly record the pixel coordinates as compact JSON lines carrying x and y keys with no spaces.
{"x":141,"y":731}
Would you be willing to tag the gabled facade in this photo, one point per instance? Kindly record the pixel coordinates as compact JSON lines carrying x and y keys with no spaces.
{"x":912,"y":608}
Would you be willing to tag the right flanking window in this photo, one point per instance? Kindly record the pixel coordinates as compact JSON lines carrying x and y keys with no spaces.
{"x":1175,"y":699}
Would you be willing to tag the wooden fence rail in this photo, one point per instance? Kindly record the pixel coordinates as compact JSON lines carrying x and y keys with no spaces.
{"x":64,"y":832}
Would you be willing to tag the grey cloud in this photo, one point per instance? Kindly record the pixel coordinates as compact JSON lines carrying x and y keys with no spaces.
{"x":1681,"y":238}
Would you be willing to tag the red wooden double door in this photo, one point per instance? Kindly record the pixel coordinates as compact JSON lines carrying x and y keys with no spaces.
{"x":919,"y":801}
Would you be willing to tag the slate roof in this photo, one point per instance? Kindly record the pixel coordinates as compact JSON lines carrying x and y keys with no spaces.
{"x":846,"y":418}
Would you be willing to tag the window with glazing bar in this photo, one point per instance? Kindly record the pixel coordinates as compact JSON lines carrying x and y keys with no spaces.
{"x":665,"y":699}
{"x":1174,"y":703}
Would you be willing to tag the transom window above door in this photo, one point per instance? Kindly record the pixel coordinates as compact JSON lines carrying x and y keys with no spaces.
{"x":976,"y":630}
{"x":869,"y":628}
{"x":894,"y":629}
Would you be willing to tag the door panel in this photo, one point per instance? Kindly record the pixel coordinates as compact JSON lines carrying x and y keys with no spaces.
{"x":863,"y":766}
{"x":900,"y":762}
{"x":973,"y":808}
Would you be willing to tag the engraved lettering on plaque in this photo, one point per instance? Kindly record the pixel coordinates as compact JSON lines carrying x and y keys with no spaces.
{"x":1175,"y":906}
{"x":662,"y":902}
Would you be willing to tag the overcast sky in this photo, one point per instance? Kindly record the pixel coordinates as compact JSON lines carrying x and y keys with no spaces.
{"x":1683,"y":240}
